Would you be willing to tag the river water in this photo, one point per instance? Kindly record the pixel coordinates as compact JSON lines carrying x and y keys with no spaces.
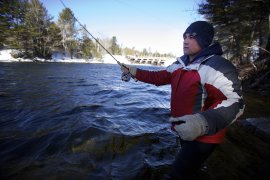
{"x":80,"y":121}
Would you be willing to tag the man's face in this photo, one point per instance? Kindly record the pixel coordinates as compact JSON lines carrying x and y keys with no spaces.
{"x":191,"y":46}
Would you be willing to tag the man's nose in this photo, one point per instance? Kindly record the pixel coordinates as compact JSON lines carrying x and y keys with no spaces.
{"x":186,"y":41}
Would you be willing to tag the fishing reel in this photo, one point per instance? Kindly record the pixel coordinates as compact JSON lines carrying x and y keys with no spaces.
{"x":126,"y":76}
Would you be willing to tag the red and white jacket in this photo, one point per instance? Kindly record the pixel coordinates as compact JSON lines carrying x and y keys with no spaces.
{"x":209,"y":85}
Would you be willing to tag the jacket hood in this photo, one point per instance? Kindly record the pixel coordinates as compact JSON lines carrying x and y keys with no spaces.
{"x":214,"y":49}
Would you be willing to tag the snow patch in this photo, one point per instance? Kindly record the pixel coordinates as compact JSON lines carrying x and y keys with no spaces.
{"x":5,"y":56}
{"x":108,"y":59}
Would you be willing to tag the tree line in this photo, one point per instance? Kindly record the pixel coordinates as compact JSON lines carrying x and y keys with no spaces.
{"x":26,"y":26}
{"x":242,"y":27}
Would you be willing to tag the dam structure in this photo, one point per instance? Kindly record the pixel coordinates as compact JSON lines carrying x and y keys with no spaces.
{"x":158,"y":61}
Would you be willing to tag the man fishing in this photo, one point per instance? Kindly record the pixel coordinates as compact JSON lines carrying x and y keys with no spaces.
{"x":206,"y":97}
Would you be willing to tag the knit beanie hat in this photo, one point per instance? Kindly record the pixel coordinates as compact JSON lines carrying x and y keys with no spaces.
{"x":202,"y":31}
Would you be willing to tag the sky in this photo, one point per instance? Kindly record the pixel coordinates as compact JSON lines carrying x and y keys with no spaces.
{"x":157,"y":25}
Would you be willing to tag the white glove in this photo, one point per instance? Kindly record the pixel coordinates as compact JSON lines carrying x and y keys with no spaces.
{"x":129,"y":69}
{"x":189,"y":127}
{"x":128,"y":72}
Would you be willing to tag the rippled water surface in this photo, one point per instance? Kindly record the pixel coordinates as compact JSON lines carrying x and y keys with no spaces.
{"x":81,"y":121}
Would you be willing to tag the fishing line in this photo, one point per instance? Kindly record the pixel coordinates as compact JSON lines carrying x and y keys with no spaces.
{"x":91,"y":34}
{"x":125,"y":76}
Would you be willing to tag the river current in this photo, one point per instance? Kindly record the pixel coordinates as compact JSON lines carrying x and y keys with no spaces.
{"x":80,"y":121}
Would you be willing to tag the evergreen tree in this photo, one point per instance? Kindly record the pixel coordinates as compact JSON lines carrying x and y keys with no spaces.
{"x":38,"y":24}
{"x":129,"y":51}
{"x":11,"y":21}
{"x":115,"y":49}
{"x":145,"y":52}
{"x":54,"y":37}
{"x":156,"y":54}
{"x":27,"y":26}
{"x":66,"y":22}
{"x":88,"y":48}
{"x":237,"y":26}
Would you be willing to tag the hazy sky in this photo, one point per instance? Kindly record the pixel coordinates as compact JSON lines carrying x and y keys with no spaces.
{"x":151,"y":24}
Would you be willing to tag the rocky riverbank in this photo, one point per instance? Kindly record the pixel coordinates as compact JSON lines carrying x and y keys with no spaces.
{"x":245,"y":154}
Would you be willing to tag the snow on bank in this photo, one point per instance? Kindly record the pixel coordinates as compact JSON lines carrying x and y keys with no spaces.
{"x":5,"y":56}
{"x":60,"y":57}
{"x":108,"y":59}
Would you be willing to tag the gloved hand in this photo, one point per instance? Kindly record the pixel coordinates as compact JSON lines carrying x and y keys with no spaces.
{"x":128,"y":72}
{"x":128,"y":69}
{"x":189,"y":127}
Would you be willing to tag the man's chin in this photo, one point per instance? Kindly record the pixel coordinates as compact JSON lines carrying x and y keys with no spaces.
{"x":185,"y":52}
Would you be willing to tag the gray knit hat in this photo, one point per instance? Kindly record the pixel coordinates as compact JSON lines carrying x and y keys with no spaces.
{"x":202,"y":31}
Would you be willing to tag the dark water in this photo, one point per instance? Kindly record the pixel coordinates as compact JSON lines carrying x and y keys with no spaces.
{"x":80,"y":121}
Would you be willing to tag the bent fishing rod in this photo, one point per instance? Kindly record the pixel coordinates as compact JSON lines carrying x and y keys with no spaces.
{"x":125,"y":77}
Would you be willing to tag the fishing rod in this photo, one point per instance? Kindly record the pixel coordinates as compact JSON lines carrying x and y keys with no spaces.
{"x":125,"y":76}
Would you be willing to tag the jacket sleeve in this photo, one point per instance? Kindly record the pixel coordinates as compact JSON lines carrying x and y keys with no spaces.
{"x":157,"y":78}
{"x":223,"y":103}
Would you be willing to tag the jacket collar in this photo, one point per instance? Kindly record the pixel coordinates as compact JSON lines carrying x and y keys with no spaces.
{"x":214,"y":49}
